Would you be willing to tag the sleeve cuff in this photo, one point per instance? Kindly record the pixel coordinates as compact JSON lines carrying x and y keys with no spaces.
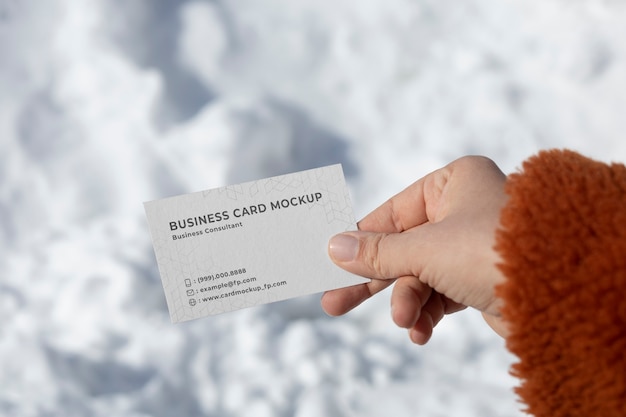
{"x":562,"y":243}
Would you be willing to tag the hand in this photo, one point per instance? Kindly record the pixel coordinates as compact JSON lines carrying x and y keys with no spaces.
{"x":435,"y":240}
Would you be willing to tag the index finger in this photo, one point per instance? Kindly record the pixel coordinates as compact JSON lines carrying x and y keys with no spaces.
{"x":411,"y":207}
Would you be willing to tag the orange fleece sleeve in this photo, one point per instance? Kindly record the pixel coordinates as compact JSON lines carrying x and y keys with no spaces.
{"x":563,"y":249}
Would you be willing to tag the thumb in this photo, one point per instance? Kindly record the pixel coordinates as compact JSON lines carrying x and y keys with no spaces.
{"x":376,"y":255}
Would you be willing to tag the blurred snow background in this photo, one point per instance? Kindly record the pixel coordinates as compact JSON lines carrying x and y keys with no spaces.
{"x":106,"y":104}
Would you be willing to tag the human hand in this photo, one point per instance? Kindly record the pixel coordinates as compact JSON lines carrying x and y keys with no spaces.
{"x":435,"y":240}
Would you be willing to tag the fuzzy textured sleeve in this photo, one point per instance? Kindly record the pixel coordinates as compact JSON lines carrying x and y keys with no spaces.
{"x":563,"y":249}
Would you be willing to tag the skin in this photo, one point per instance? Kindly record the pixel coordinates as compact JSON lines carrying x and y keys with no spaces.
{"x":434,"y":240}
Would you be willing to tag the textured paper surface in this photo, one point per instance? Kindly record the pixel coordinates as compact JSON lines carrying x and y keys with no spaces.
{"x":253,"y":243}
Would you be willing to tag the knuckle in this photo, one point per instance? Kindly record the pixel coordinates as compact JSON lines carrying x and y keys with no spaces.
{"x":396,"y":216}
{"x":475,"y":162}
{"x":373,"y":255}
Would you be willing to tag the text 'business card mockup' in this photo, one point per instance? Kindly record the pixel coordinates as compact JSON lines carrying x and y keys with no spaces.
{"x":262,"y":241}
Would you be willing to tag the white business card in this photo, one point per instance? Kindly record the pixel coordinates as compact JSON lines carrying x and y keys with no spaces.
{"x":254,"y":243}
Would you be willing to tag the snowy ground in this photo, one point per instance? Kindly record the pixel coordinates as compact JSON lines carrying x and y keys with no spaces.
{"x":106,"y":104}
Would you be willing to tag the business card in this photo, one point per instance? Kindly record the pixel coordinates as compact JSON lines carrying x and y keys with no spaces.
{"x":258,"y":242}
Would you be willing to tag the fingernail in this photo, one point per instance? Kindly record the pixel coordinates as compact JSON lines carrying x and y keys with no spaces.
{"x":343,"y":248}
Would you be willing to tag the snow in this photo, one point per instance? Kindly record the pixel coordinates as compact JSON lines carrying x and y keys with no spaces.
{"x":106,"y":104}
